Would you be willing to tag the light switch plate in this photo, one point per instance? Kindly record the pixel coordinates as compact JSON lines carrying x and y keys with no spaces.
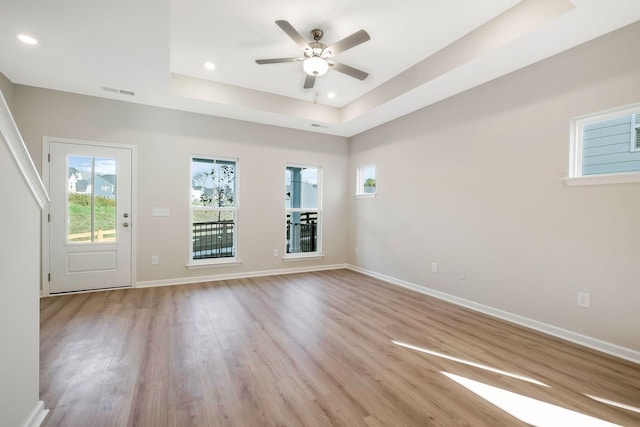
{"x":160,"y":211}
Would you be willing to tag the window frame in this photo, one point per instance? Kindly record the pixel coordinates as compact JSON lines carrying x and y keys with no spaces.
{"x":318,"y":210}
{"x":360,"y":180}
{"x":635,"y":131}
{"x":220,"y":261}
{"x":575,"y":177}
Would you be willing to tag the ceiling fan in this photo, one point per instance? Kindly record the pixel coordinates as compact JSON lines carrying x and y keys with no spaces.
{"x":316,"y":59}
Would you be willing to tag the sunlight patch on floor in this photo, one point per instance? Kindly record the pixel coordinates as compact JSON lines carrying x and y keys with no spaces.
{"x":469,"y":363}
{"x":527,"y":409}
{"x":614,"y":403}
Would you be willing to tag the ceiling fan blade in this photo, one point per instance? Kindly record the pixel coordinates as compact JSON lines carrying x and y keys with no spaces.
{"x":350,"y":71}
{"x":277,"y":60}
{"x":293,"y":33}
{"x":354,"y":39}
{"x":309,"y":81}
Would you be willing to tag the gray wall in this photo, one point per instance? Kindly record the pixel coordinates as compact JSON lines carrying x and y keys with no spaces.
{"x":165,"y":139}
{"x":475,"y":183}
{"x":7,"y":90}
{"x":19,"y":281}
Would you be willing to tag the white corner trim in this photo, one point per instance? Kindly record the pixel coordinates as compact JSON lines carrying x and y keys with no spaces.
{"x":586,"y":341}
{"x":196,"y":266}
{"x":13,"y":139}
{"x":617,"y":178}
{"x":37,"y":416}
{"x":231,"y":276}
{"x":296,"y":257}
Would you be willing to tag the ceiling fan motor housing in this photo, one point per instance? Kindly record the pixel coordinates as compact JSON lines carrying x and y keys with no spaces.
{"x":316,"y":49}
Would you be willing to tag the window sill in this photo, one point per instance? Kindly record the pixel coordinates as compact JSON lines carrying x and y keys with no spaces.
{"x":296,"y":257}
{"x":216,"y":263}
{"x":618,"y":178}
{"x":365,"y":196}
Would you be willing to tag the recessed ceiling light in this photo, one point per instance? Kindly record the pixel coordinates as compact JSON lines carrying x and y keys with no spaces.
{"x":27,"y":39}
{"x":209,"y":65}
{"x":331,"y":95}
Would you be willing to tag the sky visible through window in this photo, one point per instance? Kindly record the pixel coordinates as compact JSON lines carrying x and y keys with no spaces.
{"x":309,"y":175}
{"x":103,"y":166}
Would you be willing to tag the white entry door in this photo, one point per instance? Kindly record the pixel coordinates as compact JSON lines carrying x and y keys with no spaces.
{"x":90,"y":229}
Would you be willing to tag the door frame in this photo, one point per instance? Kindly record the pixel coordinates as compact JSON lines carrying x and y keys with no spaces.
{"x":44,"y":229}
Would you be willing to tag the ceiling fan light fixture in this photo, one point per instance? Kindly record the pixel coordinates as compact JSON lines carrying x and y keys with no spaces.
{"x":315,"y":66}
{"x":24,"y":38}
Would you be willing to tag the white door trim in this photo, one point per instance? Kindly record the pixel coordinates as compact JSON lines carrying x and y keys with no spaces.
{"x":46,"y":142}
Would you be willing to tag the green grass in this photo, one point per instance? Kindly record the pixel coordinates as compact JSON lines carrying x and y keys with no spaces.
{"x":80,"y":213}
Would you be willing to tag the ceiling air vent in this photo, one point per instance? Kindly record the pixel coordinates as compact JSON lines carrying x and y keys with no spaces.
{"x":120,"y":91}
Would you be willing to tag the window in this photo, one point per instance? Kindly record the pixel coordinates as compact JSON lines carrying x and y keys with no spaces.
{"x":637,"y":130}
{"x":91,"y":214}
{"x":214,"y":210}
{"x":366,"y":181}
{"x":606,"y":146}
{"x":302,"y":210}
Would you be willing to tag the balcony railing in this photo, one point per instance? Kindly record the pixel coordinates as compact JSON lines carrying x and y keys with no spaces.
{"x":213,"y":239}
{"x":302,"y":232}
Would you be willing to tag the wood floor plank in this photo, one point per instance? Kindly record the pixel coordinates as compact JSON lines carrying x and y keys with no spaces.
{"x":312,"y":349}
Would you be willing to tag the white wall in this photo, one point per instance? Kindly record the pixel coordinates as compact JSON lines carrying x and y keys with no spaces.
{"x":165,"y":139}
{"x":19,"y":284}
{"x":475,"y":182}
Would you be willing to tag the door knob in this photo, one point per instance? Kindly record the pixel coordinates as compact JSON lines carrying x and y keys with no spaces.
{"x":126,"y":215}
{"x":126,"y":224}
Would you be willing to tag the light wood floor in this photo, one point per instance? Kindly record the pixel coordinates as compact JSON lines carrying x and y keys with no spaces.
{"x":303,"y":350}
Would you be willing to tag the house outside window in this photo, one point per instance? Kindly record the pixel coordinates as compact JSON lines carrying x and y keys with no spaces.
{"x":303,"y":211}
{"x":607,"y":145}
{"x":214,"y":210}
{"x":637,"y":130}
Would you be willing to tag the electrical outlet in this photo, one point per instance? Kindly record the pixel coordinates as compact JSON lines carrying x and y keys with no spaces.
{"x":434,"y":267}
{"x":584,"y":300}
{"x":357,"y":251}
{"x":275,"y":252}
{"x":463,"y":273}
{"x":155,"y":260}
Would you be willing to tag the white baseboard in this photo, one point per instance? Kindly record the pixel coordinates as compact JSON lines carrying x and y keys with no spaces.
{"x":245,"y":275}
{"x":596,"y":344}
{"x":37,"y":416}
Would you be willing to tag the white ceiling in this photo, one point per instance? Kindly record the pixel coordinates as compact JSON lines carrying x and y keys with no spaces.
{"x":421,"y":51}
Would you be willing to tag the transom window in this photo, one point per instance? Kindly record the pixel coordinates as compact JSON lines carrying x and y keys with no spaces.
{"x":607,"y":144}
{"x":366,"y":180}
{"x":302,"y":210}
{"x":213,"y":209}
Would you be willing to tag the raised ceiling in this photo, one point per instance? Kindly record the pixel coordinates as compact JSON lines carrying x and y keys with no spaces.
{"x":420,"y":52}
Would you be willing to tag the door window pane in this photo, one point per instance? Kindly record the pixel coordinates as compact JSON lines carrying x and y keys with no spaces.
{"x":91,"y":185}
